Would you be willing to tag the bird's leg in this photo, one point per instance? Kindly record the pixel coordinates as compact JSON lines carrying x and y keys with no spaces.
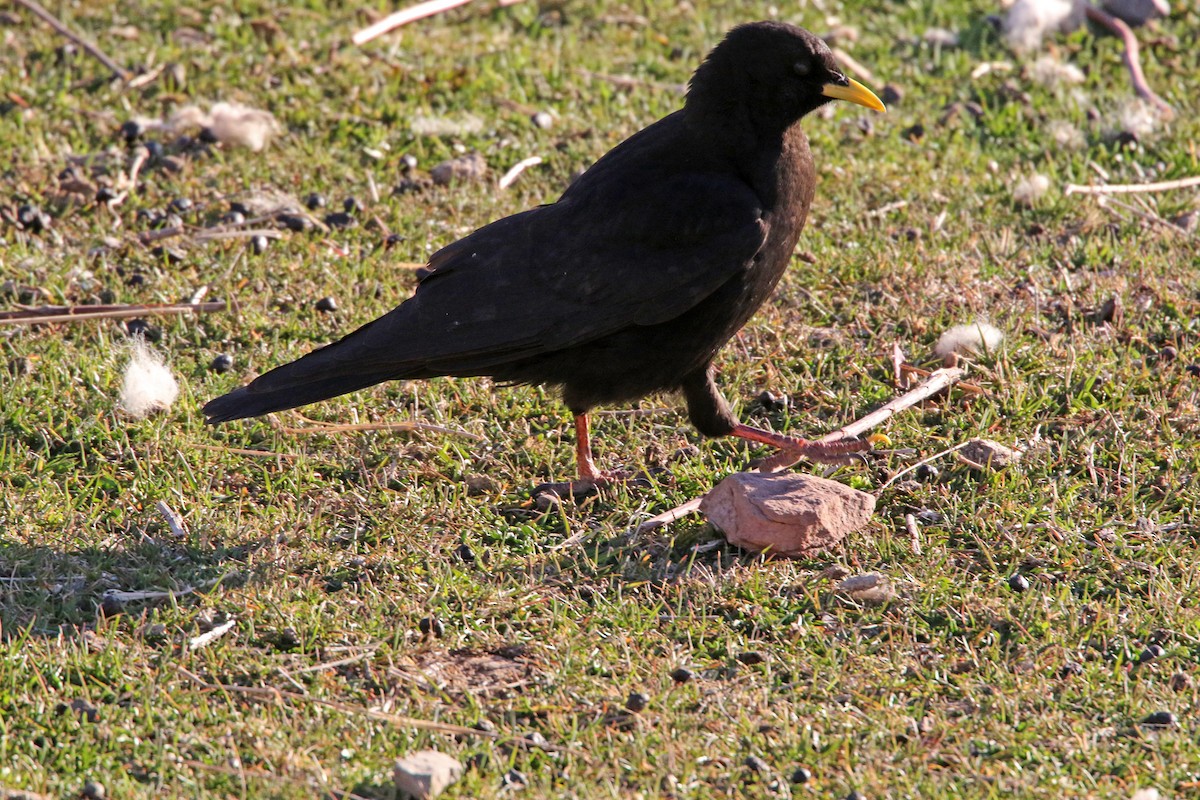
{"x":792,"y":449}
{"x":583,"y":453}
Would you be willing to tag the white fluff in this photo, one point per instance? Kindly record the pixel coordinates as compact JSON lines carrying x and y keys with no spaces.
{"x":1138,"y":118}
{"x":1065,"y":135}
{"x":1145,"y":794}
{"x":148,"y":385}
{"x":231,"y":123}
{"x":1051,"y":72}
{"x":978,"y":337}
{"x":1030,"y":21}
{"x":1028,"y":191}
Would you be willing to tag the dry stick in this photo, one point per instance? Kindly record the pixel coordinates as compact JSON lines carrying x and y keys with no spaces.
{"x":936,"y":382}
{"x":511,"y":176}
{"x":277,"y":696}
{"x":1131,"y":57}
{"x":92,"y":49}
{"x":51,"y":314}
{"x":405,"y":16}
{"x":1133,"y":188}
{"x":849,"y":62}
{"x":1109,"y":202}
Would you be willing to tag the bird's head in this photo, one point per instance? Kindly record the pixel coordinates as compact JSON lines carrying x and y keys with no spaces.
{"x":776,"y":73}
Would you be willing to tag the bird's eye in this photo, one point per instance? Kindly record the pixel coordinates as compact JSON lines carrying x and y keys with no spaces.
{"x":802,"y":68}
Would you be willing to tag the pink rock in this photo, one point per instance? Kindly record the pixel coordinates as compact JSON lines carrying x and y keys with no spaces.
{"x":786,"y":513}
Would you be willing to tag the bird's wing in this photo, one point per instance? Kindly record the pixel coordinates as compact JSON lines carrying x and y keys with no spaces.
{"x":591,"y":264}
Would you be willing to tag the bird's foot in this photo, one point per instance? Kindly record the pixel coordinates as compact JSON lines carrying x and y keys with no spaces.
{"x":792,"y":449}
{"x":591,"y":484}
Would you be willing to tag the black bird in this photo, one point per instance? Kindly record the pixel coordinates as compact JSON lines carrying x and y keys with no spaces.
{"x":632,"y":281}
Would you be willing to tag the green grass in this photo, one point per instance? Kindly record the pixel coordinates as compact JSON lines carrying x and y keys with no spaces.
{"x":330,"y":551}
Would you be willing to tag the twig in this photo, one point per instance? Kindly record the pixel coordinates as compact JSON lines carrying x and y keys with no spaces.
{"x":914,"y":533}
{"x":511,"y":176}
{"x":1109,"y":202}
{"x":405,"y":16}
{"x":92,"y":49}
{"x":671,"y":515}
{"x":205,"y":639}
{"x":1132,"y":61}
{"x":849,"y":62}
{"x":277,"y":696}
{"x":174,"y":521}
{"x":1133,"y":188}
{"x":50,"y":314}
{"x":242,"y":451}
{"x":341,"y":662}
{"x":970,"y":388}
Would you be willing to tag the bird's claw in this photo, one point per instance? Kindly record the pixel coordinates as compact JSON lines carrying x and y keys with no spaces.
{"x":586,"y":486}
{"x":847,"y":451}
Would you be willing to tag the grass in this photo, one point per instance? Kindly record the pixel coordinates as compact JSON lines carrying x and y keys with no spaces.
{"x":333,"y":553}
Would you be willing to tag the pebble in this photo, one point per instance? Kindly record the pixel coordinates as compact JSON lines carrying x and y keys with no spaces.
{"x":32,"y":218}
{"x":140,"y":327}
{"x":1070,"y":669}
{"x":1180,"y":682}
{"x":856,"y":795}
{"x":802,"y":775}
{"x":105,"y":195}
{"x":295,"y":222}
{"x":773,"y":402}
{"x":393,"y":239}
{"x":637,"y":702}
{"x":327,"y":304}
{"x":259,"y":244}
{"x":891,"y":94}
{"x":426,"y":774}
{"x":351,"y":205}
{"x":234,"y":218}
{"x":750,"y":658}
{"x":1160,"y":719}
{"x":1150,"y":653}
{"x":222,"y":363}
{"x":543,"y":120}
{"x":757,"y":764}
{"x":408,"y":161}
{"x":682,"y":675}
{"x":132,"y":130}
{"x":465,"y":553}
{"x":1168,"y":353}
{"x":314,"y":201}
{"x":181,"y":204}
{"x":93,"y":790}
{"x":1193,"y":370}
{"x":1018,"y":583}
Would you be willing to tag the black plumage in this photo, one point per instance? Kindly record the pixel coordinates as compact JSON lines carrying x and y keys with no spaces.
{"x":632,"y":281}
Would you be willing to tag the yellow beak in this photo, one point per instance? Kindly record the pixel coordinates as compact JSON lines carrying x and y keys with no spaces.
{"x":855,"y":93}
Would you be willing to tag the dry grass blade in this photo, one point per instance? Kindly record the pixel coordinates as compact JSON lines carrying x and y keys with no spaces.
{"x":407,"y":427}
{"x":92,"y":50}
{"x":1133,"y":188}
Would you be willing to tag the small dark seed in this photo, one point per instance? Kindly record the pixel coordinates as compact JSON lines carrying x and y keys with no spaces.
{"x":259,"y":244}
{"x":222,"y":363}
{"x":351,"y":205}
{"x":132,"y":130}
{"x":105,"y":195}
{"x":181,"y":204}
{"x":208,"y":136}
{"x":93,"y":790}
{"x":637,"y":702}
{"x":757,"y":764}
{"x":801,"y":775}
{"x":465,"y":553}
{"x":326,"y":304}
{"x":914,"y":133}
{"x":682,"y":675}
{"x":891,"y":94}
{"x":295,"y":222}
{"x":393,"y":239}
{"x":1018,"y":583}
{"x":1070,"y":669}
{"x":154,"y":149}
{"x":1168,"y":353}
{"x":927,"y":472}
{"x":240,"y":208}
{"x":751,"y":657}
{"x":1160,"y":719}
{"x":314,"y":201}
{"x":1180,"y":682}
{"x":339,"y":219}
{"x":1193,"y":370}
{"x":432,"y":625}
{"x":856,"y":795}
{"x":1150,"y":653}
{"x":234,"y":218}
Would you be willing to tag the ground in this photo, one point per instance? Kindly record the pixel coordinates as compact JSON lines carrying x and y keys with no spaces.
{"x":374,"y":579}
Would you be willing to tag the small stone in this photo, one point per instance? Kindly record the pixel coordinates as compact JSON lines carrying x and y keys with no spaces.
{"x":682,"y":675}
{"x":1150,"y":653}
{"x":773,"y":402}
{"x":515,"y":779}
{"x":222,"y":363}
{"x":891,"y":94}
{"x":1070,"y":669}
{"x":465,"y":553}
{"x":1018,"y":583}
{"x":408,"y":162}
{"x":239,"y":207}
{"x":856,"y":795}
{"x":233,"y":218}
{"x":1168,"y":354}
{"x":181,"y":204}
{"x":340,"y":219}
{"x":351,"y":205}
{"x":32,"y":218}
{"x":928,"y":472}
{"x":93,"y":790}
{"x":314,"y":201}
{"x":914,"y":133}
{"x":1160,"y":719}
{"x":1180,"y":682}
{"x":470,"y":167}
{"x":988,"y":455}
{"x":432,"y":626}
{"x":479,"y":484}
{"x":297,"y":223}
{"x":802,"y":775}
{"x":869,"y":588}
{"x":140,"y":327}
{"x":785,"y":513}
{"x":326,"y":304}
{"x":542,"y":120}
{"x":393,"y":239}
{"x":637,"y":702}
{"x":1193,"y":370}
{"x":105,"y":194}
{"x":86,"y":710}
{"x":758,"y":765}
{"x":259,"y":244}
{"x":750,"y":658}
{"x":426,"y":774}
